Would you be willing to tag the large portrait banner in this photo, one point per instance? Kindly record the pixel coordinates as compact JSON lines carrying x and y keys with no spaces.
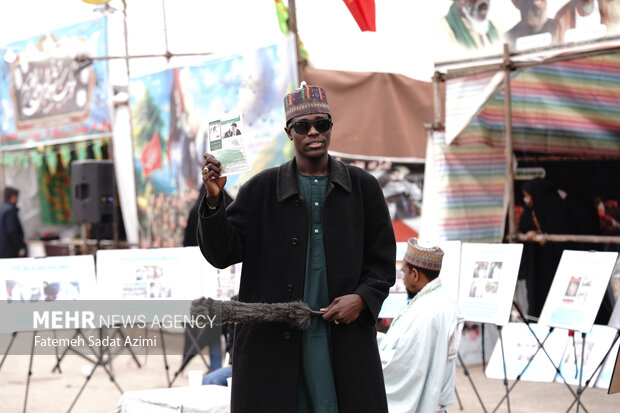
{"x":171,"y":112}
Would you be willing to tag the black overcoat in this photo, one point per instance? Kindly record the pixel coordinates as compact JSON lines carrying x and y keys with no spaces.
{"x":266,"y":228}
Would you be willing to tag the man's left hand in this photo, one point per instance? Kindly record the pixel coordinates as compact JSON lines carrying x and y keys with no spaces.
{"x":345,"y":309}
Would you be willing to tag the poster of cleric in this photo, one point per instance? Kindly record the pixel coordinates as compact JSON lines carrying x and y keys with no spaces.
{"x":468,"y":29}
{"x":171,"y":111}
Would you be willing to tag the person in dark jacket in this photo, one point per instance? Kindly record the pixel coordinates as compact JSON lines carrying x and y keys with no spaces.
{"x":312,"y":229}
{"x":545,"y":213}
{"x":12,"y":243}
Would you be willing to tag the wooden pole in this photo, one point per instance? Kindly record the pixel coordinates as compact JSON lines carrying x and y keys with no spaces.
{"x":292,"y":26}
{"x":508,"y":150}
{"x":437,"y":108}
{"x":590,"y":239}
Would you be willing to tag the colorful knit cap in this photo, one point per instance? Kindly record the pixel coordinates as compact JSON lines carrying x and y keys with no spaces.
{"x":425,"y":258}
{"x":305,"y":101}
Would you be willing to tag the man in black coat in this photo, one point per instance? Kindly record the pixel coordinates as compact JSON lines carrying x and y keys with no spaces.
{"x":11,"y":233}
{"x":317,"y":230}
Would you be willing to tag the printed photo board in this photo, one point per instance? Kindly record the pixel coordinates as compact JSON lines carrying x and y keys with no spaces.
{"x":604,"y":378}
{"x":488,"y":279}
{"x":519,"y":348}
{"x":158,"y":273}
{"x":598,"y":342}
{"x":40,"y":284}
{"x":577,"y":289}
{"x":47,"y":279}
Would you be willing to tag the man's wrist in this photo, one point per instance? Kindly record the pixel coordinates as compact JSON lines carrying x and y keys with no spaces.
{"x":212,"y":203}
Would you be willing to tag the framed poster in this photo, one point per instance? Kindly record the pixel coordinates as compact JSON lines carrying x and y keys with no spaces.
{"x":29,"y":285}
{"x":598,"y":341}
{"x":487,"y":281}
{"x":159,"y":273}
{"x":577,"y":289}
{"x":47,"y":279}
{"x":520,"y":346}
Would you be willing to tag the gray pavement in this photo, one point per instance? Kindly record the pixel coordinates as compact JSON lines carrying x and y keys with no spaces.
{"x":53,"y":392}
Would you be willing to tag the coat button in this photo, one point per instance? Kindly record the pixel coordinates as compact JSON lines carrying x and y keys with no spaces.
{"x":286,"y":335}
{"x":294,"y":241}
{"x":289,"y":288}
{"x":297,"y":202}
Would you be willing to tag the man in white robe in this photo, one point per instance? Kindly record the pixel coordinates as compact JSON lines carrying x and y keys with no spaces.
{"x":418,"y":353}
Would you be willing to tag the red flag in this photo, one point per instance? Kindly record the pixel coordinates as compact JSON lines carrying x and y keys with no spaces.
{"x":151,"y":156}
{"x":363,"y":12}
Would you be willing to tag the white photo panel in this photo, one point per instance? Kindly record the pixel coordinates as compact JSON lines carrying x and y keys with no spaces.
{"x":488,"y":279}
{"x":577,"y":289}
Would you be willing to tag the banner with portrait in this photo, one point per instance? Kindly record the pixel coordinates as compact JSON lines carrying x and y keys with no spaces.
{"x":171,"y":111}
{"x":472,"y":29}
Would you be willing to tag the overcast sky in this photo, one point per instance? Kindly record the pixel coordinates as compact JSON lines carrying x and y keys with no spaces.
{"x":328,"y":30}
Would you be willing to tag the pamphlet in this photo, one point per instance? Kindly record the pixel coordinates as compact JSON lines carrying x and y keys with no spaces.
{"x":226,"y":144}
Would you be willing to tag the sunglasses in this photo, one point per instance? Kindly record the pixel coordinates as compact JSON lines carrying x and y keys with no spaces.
{"x":303,"y":126}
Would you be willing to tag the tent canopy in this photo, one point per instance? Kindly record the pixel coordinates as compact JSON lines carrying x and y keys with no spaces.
{"x":376,"y":114}
{"x":563,"y":110}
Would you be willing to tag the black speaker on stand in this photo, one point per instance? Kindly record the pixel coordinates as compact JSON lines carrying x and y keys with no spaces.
{"x":93,"y":195}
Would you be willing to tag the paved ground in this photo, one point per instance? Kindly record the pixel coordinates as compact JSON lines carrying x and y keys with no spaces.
{"x":52,"y":392}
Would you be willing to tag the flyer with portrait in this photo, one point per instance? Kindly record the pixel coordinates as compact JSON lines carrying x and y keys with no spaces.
{"x":577,"y":289}
{"x":487,"y":281}
{"x":226,"y":144}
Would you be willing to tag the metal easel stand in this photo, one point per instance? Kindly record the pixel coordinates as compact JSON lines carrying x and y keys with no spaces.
{"x":102,"y":360}
{"x":78,"y":333}
{"x":557,"y":369}
{"x":506,"y":396}
{"x":466,"y":372}
{"x":194,"y":345}
{"x":514,"y":383}
{"x":600,"y":365}
{"x":8,"y":348}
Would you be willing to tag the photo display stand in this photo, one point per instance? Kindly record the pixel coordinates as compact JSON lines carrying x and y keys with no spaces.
{"x":488,"y":279}
{"x":29,"y":284}
{"x":606,"y":366}
{"x":572,"y":303}
{"x":155,"y":274}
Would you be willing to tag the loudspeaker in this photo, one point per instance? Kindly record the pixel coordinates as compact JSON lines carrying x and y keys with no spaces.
{"x":92,"y":191}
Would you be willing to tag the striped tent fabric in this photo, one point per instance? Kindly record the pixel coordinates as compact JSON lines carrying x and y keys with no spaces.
{"x":566,"y":108}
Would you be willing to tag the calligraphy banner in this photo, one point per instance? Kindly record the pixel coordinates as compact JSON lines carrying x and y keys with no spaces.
{"x":170,"y":115}
{"x":45,"y":93}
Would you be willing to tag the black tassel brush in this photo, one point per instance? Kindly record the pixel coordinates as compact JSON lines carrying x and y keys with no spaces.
{"x":297,"y":314}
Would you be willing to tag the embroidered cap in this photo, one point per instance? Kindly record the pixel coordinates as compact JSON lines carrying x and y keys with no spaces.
{"x":421,"y":257}
{"x":305,"y":100}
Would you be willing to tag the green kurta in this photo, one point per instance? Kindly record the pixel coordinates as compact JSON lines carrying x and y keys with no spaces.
{"x":317,"y":392}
